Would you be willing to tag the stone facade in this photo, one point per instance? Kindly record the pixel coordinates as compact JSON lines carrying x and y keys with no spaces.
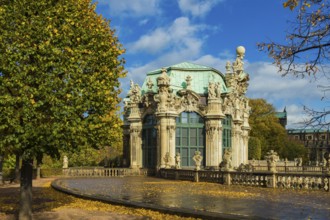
{"x":316,"y":141}
{"x":186,"y":108}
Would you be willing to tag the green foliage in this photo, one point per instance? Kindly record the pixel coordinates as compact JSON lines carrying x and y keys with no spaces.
{"x":294,"y":150}
{"x":269,"y":133}
{"x":254,"y":148}
{"x":9,"y":162}
{"x":59,"y":69}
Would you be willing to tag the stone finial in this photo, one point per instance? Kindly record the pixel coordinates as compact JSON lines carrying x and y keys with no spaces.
{"x":198,"y":159}
{"x":188,"y":81}
{"x":240,"y":51}
{"x":163,"y":79}
{"x":150,"y":84}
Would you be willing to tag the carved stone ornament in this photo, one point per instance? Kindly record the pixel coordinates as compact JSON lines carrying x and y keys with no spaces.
{"x":211,"y":130}
{"x":167,"y":160}
{"x":149,"y":84}
{"x":171,"y":130}
{"x":189,"y":100}
{"x":135,"y":93}
{"x":163,"y":79}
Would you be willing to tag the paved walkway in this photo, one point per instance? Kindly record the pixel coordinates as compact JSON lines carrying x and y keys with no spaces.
{"x":206,"y":200}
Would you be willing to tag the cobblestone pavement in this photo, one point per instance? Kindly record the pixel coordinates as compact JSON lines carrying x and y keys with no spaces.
{"x":215,"y":199}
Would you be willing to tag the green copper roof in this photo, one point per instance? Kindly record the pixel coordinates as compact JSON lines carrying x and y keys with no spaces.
{"x":201,"y":76}
{"x":281,"y":114}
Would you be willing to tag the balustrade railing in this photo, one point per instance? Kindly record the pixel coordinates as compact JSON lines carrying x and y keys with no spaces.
{"x":292,"y":169}
{"x":290,"y":178}
{"x":105,"y":172}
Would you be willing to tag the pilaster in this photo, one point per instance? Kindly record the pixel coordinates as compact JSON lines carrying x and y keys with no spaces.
{"x":213,"y":127}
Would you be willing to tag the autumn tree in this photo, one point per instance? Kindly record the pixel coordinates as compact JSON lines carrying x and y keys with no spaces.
{"x":59,"y":69}
{"x":268,"y":134}
{"x":306,"y":52}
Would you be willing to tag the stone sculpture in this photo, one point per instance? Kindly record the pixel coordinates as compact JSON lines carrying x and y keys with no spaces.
{"x":167,"y":160}
{"x":226,"y":161}
{"x":272,"y":158}
{"x":65,"y":162}
{"x":177,"y":161}
{"x":198,"y":159}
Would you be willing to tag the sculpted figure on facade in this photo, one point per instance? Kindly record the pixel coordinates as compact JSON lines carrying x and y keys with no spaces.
{"x":161,"y":98}
{"x":198,"y":160}
{"x":226,"y":161}
{"x":228,"y":67}
{"x":167,"y":160}
{"x":218,"y":90}
{"x":177,"y":161}
{"x":211,"y":91}
{"x":272,"y":159}
{"x":238,"y":65}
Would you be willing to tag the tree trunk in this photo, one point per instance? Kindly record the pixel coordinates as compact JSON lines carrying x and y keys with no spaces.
{"x":1,"y":173}
{"x":39,"y":162}
{"x":17,"y":172}
{"x":25,"y":209}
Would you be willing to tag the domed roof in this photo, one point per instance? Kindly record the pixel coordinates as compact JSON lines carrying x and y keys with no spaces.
{"x":201,"y":76}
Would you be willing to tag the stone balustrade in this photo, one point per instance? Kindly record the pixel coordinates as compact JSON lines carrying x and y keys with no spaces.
{"x":311,"y":178}
{"x":105,"y":172}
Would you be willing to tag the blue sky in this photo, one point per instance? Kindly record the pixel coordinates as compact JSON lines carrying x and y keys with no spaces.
{"x":158,"y":33}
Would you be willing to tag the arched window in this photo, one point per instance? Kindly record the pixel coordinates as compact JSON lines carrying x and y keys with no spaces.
{"x":190,"y":136}
{"x":226,"y":132}
{"x":149,"y":142}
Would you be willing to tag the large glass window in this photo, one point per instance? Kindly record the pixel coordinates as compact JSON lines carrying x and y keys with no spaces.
{"x":149,"y":142}
{"x":190,"y":136}
{"x":226,"y":132}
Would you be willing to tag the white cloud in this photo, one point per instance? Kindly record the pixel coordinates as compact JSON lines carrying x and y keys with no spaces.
{"x":180,"y":34}
{"x":211,"y":61}
{"x":267,"y":83}
{"x":296,"y":115}
{"x":132,"y":7}
{"x":152,"y":43}
{"x":197,"y":8}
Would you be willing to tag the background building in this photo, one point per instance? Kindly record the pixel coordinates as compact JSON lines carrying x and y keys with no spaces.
{"x":316,"y":141}
{"x":186,"y":108}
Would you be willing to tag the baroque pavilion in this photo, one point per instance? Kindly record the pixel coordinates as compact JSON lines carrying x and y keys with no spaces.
{"x":186,"y":108}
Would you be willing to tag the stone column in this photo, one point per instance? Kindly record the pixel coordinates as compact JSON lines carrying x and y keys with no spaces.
{"x":171,"y":128}
{"x":213,"y":143}
{"x":213,"y":127}
{"x":167,"y":139}
{"x":136,"y":145}
{"x":163,"y":141}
